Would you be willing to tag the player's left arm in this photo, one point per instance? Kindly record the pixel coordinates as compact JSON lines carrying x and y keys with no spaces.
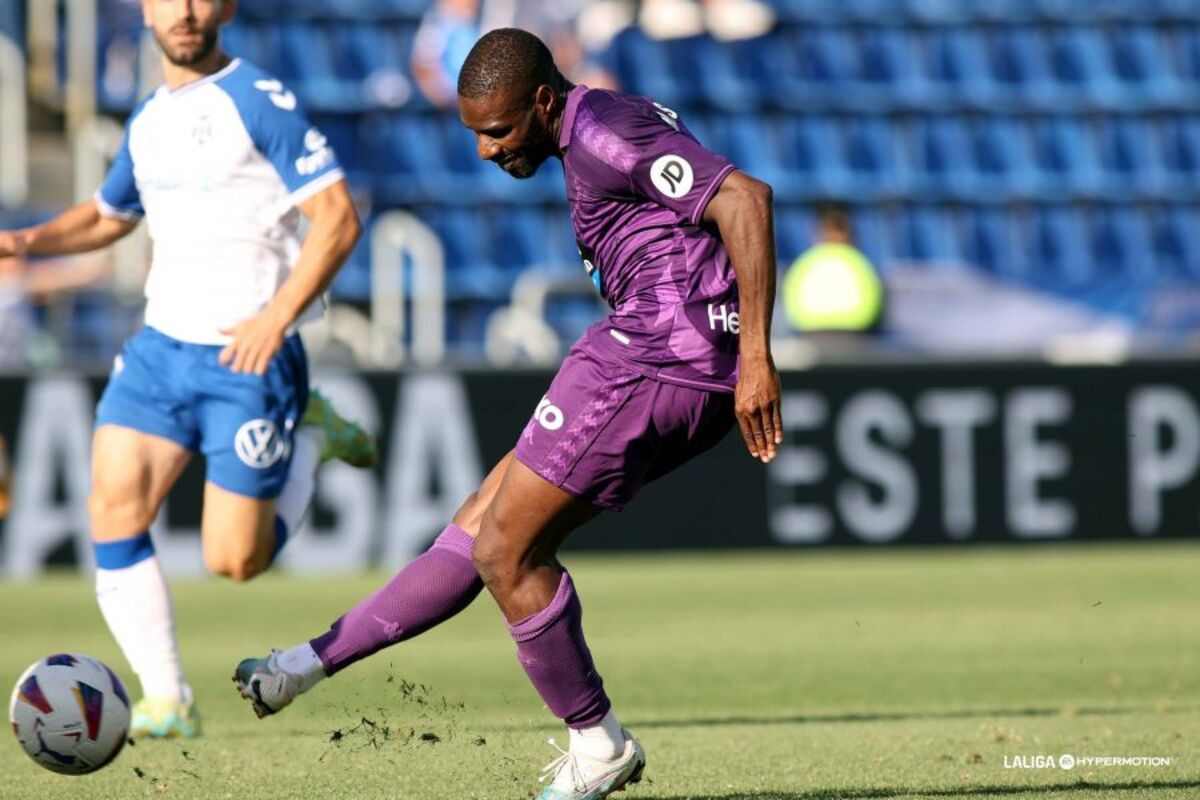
{"x":741,"y":210}
{"x":312,"y":176}
{"x":333,"y":232}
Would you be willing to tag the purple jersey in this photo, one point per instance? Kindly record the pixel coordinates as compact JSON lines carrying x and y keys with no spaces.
{"x":637,"y":185}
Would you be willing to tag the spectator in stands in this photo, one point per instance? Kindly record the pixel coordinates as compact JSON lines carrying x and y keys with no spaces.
{"x":447,"y":32}
{"x":832,"y":287}
{"x":22,"y":287}
{"x":724,"y":20}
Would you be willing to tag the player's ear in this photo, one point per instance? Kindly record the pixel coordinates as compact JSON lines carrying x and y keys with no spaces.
{"x":228,"y":11}
{"x":147,"y":13}
{"x":545,"y":100}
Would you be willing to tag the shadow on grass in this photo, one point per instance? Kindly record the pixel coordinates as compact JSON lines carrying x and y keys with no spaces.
{"x":901,"y":716}
{"x":1081,"y":788}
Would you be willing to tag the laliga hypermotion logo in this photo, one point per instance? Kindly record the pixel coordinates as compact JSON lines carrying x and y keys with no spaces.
{"x":258,"y":444}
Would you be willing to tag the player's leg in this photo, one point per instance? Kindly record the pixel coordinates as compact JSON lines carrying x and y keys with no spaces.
{"x":429,"y":590}
{"x":264,"y":437}
{"x":131,"y":474}
{"x":145,"y":432}
{"x":516,"y":555}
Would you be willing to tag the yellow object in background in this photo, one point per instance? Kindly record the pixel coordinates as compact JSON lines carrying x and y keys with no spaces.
{"x":833,"y":287}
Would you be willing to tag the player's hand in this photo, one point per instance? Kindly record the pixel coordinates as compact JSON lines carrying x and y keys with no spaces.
{"x":756,"y":402}
{"x":255,"y":342}
{"x":13,"y":244}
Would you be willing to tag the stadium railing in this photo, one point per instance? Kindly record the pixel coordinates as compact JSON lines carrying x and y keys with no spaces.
{"x":399,"y":238}
{"x":14,"y":146}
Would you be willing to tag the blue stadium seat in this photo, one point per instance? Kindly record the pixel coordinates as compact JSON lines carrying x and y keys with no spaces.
{"x":471,"y":272}
{"x":1064,"y":156}
{"x":953,"y":62}
{"x":735,"y":76}
{"x":1001,"y":157}
{"x":1017,"y":69}
{"x":987,"y":241}
{"x":1054,"y":239}
{"x":810,"y":68}
{"x":750,"y":141}
{"x":793,"y":233}
{"x":1180,"y":142}
{"x":1119,"y":246}
{"x":808,"y":148}
{"x":1128,"y":158}
{"x":1139,"y":68}
{"x":940,"y":157}
{"x":1175,"y":237}
{"x":924,"y":234}
{"x":872,"y":157}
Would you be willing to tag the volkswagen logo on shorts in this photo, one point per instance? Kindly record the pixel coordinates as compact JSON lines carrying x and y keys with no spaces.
{"x":258,"y":444}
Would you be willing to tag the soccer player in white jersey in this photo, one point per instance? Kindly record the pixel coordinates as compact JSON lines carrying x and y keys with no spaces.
{"x":219,"y":160}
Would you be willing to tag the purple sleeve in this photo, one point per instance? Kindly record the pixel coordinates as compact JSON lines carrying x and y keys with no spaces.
{"x":676,"y":171}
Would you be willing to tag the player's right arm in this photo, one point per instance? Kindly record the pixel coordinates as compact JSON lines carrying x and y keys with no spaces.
{"x":80,"y":229}
{"x":112,"y":213}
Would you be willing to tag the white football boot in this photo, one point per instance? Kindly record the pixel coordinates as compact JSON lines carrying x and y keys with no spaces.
{"x":574,"y":776}
{"x":269,"y":687}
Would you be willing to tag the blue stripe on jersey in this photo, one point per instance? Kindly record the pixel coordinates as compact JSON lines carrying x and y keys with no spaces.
{"x":278,"y":127}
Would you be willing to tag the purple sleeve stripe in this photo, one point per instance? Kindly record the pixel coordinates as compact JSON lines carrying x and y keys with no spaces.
{"x":707,"y":197}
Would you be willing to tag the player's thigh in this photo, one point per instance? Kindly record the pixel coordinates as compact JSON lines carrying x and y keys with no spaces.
{"x":470,"y":514}
{"x":247,"y":421}
{"x":237,"y":532}
{"x":526,"y":522}
{"x":687,"y":422}
{"x":132,"y":472}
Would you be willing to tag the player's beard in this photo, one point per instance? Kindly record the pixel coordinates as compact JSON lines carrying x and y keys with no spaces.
{"x":181,"y":57}
{"x":532,"y":156}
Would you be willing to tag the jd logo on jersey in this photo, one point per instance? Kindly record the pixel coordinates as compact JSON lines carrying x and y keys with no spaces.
{"x":672,"y":175}
{"x":258,"y":444}
{"x":279,"y":95}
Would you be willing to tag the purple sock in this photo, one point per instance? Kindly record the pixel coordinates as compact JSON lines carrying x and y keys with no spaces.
{"x":434,"y":587}
{"x":551,"y":648}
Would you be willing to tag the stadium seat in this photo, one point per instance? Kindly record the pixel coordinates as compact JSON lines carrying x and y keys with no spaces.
{"x":1053,"y":237}
{"x":941,"y":162}
{"x":922,"y":234}
{"x":1065,"y":159}
{"x":1174,"y":233}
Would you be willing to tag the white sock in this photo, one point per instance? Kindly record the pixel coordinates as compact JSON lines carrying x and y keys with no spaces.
{"x":136,"y":604}
{"x":603,"y":742}
{"x":302,"y":660}
{"x":296,"y":498}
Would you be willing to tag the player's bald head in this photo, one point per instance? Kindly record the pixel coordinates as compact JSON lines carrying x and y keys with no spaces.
{"x":507,"y":60}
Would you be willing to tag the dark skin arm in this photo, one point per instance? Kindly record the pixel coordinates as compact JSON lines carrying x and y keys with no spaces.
{"x":741,"y":211}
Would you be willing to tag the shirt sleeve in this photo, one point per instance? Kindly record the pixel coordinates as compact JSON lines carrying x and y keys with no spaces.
{"x":118,"y":196}
{"x":281,"y":131}
{"x":673,"y":169}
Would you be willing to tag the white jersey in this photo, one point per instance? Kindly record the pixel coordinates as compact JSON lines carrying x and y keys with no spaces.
{"x":218,"y":167}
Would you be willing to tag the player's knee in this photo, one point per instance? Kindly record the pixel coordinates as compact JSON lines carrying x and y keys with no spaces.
{"x":238,"y":567}
{"x":115,"y":513}
{"x":491,"y":555}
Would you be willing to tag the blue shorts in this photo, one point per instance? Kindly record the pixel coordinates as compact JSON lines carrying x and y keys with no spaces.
{"x":241,"y":423}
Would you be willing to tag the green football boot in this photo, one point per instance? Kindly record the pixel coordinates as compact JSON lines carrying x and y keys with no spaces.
{"x":155,"y":718}
{"x":344,"y":440}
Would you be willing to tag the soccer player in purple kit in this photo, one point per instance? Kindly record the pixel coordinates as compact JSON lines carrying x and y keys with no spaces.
{"x":681,"y":245}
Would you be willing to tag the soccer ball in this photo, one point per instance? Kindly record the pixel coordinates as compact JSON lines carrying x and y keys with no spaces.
{"x":70,"y":713}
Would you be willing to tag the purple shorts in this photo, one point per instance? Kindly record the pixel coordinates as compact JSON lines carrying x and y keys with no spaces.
{"x":603,"y":431}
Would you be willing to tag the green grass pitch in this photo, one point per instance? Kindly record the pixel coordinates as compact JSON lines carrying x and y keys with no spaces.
{"x":757,"y":676}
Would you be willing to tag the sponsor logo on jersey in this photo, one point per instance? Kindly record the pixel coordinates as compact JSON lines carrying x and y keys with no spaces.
{"x":258,"y":444}
{"x":548,"y":415}
{"x":280,"y":96}
{"x":320,"y":154}
{"x":667,"y":115}
{"x":672,"y":175}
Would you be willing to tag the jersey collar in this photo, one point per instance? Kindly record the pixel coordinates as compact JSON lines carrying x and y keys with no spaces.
{"x":207,"y":79}
{"x":568,"y":121}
